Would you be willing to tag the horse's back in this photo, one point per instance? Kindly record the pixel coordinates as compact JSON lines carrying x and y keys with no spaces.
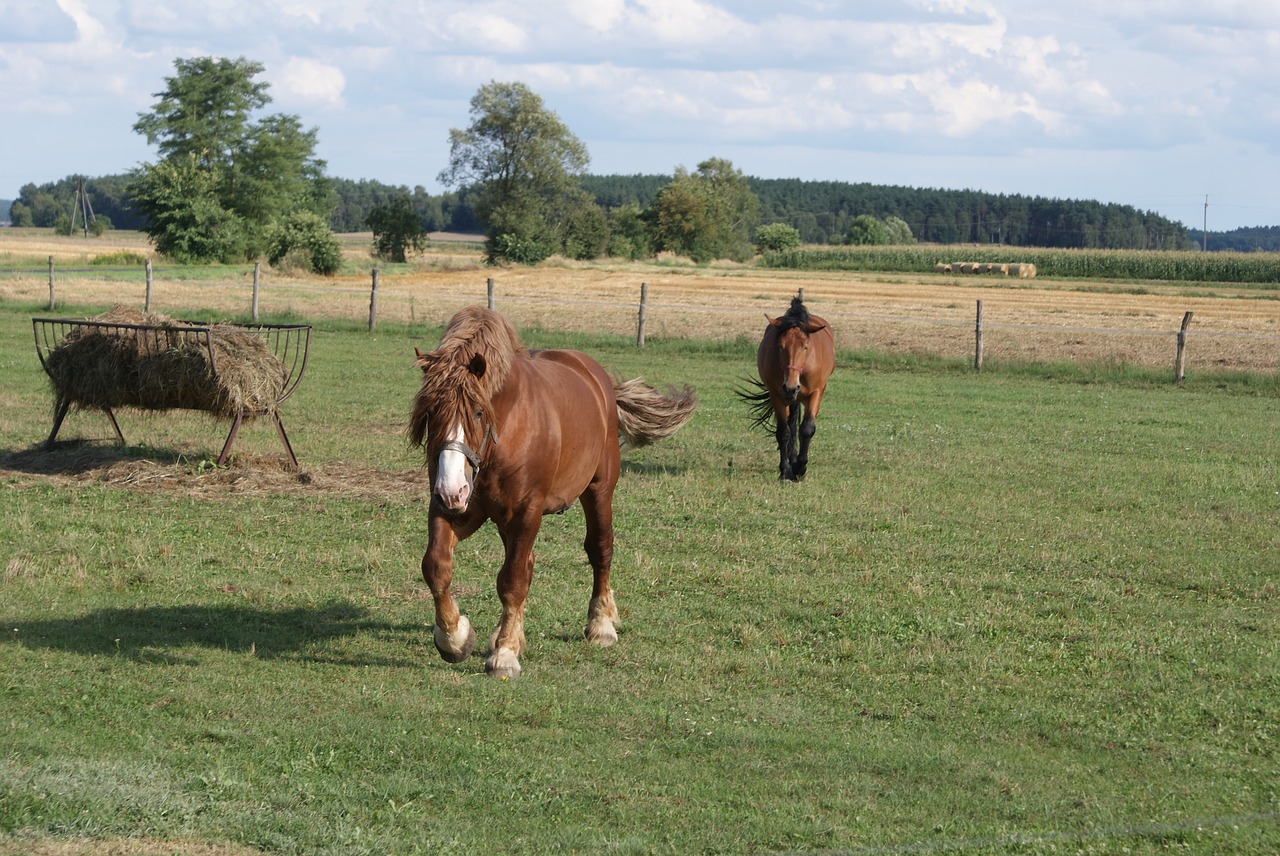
{"x":572,"y":419}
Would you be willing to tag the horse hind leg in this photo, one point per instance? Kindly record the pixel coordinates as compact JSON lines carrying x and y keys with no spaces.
{"x":602,"y":612}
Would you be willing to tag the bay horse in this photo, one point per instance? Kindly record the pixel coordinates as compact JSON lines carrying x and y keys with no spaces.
{"x":511,"y":435}
{"x":796,"y":357}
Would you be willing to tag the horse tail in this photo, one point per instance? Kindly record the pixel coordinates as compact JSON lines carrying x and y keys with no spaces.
{"x":646,"y":416}
{"x":757,"y":397}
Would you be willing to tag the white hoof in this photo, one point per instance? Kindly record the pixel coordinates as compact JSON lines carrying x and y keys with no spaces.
{"x":456,"y":646}
{"x":503,"y":663}
{"x":601,"y":632}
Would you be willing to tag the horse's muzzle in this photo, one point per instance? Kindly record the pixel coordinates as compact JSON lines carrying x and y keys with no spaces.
{"x":791,"y":393}
{"x":452,"y":503}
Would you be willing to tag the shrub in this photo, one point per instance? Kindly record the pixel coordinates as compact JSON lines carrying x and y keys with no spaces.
{"x":776,"y":236}
{"x":518,"y":249}
{"x":304,"y":231}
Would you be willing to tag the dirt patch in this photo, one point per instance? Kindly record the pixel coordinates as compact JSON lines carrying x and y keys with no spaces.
{"x":121,"y":847}
{"x":79,"y":463}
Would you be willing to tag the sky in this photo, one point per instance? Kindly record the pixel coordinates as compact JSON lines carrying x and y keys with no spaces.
{"x":1171,"y":107}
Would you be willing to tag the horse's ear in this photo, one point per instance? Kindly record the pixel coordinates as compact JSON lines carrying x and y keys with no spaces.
{"x":477,"y":365}
{"x":419,"y":360}
{"x":773,"y":322}
{"x":813,"y":327}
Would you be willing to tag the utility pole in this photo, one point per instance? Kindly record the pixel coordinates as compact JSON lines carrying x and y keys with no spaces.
{"x":83,"y":207}
{"x":1204,"y":232}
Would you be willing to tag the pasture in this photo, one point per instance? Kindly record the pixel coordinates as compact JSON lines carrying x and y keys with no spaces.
{"x":1005,"y":612}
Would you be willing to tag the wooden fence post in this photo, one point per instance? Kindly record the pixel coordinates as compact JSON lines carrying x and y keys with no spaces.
{"x":146,"y":303}
{"x":373,"y":302}
{"x":52,"y":302}
{"x":257,"y":274}
{"x":1180,"y":361}
{"x":977,"y":340}
{"x":489,"y":288}
{"x":644,"y":304}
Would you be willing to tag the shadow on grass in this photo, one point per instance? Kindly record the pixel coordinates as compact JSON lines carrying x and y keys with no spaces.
{"x":643,"y":468}
{"x":167,"y":634}
{"x":77,"y":457}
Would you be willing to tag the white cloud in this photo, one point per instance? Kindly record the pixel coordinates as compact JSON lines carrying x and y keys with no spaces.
{"x":485,"y":31}
{"x":308,"y":80}
{"x":675,"y":81}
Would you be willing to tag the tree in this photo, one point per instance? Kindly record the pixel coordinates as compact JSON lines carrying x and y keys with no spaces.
{"x":187,"y":220}
{"x":897,"y":231}
{"x":521,"y":160}
{"x":708,"y":214}
{"x":304,"y":239}
{"x":628,"y":235}
{"x":866,"y":229}
{"x":775,"y":237}
{"x":247,"y":174}
{"x":397,"y":229}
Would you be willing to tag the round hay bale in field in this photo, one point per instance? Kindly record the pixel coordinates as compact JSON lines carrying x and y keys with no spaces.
{"x":157,"y":363}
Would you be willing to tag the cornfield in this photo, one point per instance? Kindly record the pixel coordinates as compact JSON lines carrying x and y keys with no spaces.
{"x":1246,"y":268}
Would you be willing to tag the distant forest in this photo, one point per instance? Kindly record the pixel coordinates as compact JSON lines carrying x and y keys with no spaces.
{"x":820,"y":211}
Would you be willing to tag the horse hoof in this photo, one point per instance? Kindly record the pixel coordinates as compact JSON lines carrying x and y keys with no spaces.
{"x":503,"y":663}
{"x":455,"y":647}
{"x":603,"y":635}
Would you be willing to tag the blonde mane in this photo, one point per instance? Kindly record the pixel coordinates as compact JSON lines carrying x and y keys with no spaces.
{"x":462,"y":376}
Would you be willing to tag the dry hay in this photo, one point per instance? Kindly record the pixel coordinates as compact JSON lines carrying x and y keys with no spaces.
{"x":165,"y":364}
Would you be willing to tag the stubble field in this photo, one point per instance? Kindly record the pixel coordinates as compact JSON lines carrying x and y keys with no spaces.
{"x":1234,"y":328}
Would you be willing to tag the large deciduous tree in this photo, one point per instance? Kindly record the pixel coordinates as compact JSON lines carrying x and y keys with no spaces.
{"x":708,"y":214}
{"x":223,"y":178}
{"x":523,"y":164}
{"x":397,"y":229}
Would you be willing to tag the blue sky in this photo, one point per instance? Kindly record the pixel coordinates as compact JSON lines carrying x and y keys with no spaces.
{"x":1155,"y":105}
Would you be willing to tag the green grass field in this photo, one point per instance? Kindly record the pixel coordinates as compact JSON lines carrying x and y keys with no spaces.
{"x":1015,"y":612}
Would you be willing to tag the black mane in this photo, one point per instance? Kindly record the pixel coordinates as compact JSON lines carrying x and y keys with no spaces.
{"x":797,"y":316}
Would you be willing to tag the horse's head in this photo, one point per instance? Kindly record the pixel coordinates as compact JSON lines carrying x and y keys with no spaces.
{"x":793,"y":350}
{"x":453,"y":417}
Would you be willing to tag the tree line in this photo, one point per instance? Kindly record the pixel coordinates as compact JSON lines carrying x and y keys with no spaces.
{"x":821,"y":212}
{"x":233,"y":184}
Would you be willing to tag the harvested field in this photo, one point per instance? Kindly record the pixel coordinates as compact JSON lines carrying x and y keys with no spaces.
{"x":1039,"y":320}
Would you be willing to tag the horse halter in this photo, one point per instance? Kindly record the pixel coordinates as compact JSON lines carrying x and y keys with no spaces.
{"x":473,"y":457}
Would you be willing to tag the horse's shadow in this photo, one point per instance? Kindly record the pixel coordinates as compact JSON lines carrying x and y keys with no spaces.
{"x":168,"y":634}
{"x":643,"y":468}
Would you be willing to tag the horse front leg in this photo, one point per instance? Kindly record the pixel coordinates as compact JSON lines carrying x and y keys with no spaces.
{"x":507,"y":642}
{"x":792,"y":434}
{"x":453,"y":634}
{"x":808,"y":428}
{"x":602,"y":612}
{"x":782,"y":434}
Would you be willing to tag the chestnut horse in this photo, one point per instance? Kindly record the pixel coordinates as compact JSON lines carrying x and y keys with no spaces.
{"x":511,"y":435}
{"x":796,"y":357}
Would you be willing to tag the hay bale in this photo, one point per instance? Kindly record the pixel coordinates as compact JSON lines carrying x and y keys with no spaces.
{"x":160,"y":365}
{"x":942,"y":267}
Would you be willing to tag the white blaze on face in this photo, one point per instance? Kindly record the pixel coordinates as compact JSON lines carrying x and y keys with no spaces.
{"x":451,"y":475}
